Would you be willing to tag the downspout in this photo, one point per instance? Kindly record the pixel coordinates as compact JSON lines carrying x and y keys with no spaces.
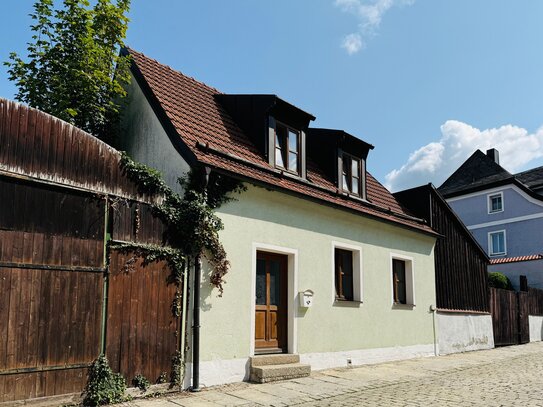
{"x":433,"y":310}
{"x":184,"y":317}
{"x":196,"y":310}
{"x":105,"y":285}
{"x":196,"y":325}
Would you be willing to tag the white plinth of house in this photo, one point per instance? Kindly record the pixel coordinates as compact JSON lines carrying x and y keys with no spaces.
{"x":458,"y":332}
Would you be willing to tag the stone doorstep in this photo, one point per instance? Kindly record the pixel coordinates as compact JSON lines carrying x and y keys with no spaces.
{"x":278,"y":359}
{"x":271,"y":373}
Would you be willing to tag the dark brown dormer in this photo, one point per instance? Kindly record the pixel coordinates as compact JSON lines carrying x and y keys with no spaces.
{"x":342,"y":157}
{"x":277,"y":128}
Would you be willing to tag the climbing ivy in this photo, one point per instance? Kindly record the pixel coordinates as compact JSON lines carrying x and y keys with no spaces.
{"x":178,"y":366}
{"x":192,"y":227}
{"x":141,"y":382}
{"x":151,"y":253}
{"x":104,"y":386}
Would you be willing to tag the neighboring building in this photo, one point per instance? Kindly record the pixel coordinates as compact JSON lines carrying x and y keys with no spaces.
{"x":503,"y":211}
{"x":530,"y":266}
{"x":462,"y":296}
{"x":312,"y":218}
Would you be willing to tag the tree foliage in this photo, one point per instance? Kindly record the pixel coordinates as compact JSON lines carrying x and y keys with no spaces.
{"x":499,"y":280}
{"x":74,"y":70}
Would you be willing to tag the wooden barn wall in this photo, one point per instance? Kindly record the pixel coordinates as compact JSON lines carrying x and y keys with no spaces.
{"x":40,"y":146}
{"x":461,"y":270}
{"x":135,"y":222}
{"x":57,"y":186}
{"x":51,"y":280}
{"x":46,"y":226}
{"x":142,"y":334}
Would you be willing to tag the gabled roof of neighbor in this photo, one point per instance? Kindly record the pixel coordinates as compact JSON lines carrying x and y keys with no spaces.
{"x":480,"y":172}
{"x":203,"y":132}
{"x":531,"y":178}
{"x":477,"y":172}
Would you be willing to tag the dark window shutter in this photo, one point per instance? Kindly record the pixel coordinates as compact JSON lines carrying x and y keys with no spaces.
{"x":363,"y":194}
{"x":339,"y":168}
{"x":271,"y":141}
{"x":303,"y":170}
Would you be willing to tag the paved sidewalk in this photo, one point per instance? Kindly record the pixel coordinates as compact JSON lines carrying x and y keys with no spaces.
{"x":510,"y":376}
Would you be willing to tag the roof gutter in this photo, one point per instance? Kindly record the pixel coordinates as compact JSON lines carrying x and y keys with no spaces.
{"x":207,"y":148}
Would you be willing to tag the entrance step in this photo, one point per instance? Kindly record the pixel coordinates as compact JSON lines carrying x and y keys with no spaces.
{"x":270,"y":368}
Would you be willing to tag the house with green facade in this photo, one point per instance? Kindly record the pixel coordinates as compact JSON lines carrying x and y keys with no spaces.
{"x":326,"y":267}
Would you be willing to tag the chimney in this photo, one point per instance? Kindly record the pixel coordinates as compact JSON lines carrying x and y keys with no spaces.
{"x":494,"y":155}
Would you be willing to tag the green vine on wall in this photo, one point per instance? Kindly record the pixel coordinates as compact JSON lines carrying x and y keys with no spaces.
{"x":151,"y":253}
{"x":192,"y":227}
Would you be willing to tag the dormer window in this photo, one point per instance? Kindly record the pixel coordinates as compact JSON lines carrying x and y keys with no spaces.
{"x":352,"y":175}
{"x":287,"y":148}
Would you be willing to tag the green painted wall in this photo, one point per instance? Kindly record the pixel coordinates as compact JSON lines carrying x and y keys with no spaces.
{"x":279,"y":219}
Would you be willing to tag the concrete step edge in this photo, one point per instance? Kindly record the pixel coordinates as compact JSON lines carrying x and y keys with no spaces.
{"x":280,"y":359}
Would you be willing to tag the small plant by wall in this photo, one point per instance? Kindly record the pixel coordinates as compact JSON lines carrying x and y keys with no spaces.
{"x":104,"y":386}
{"x":141,"y":382}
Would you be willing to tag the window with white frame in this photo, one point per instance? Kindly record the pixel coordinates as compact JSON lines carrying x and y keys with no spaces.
{"x":495,"y":203}
{"x":496,"y":243}
{"x":287,"y":148}
{"x":347,"y":273}
{"x":403,"y":285}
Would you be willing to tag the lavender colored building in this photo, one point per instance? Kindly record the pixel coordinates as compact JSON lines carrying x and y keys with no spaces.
{"x":503,"y":211}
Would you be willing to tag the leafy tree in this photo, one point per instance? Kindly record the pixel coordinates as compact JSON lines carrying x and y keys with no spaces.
{"x":499,"y":280}
{"x":74,"y":70}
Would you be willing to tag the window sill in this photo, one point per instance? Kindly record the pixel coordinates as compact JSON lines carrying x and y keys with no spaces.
{"x":403,"y":306}
{"x":347,"y":303}
{"x":353,"y":196}
{"x":289,"y":174}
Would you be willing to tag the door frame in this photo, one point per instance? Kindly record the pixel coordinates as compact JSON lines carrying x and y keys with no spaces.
{"x":292,"y":280}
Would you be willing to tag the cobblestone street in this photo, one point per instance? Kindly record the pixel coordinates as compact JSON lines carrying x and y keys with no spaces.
{"x":510,"y":376}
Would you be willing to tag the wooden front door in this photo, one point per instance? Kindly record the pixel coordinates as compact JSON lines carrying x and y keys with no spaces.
{"x":271,"y":303}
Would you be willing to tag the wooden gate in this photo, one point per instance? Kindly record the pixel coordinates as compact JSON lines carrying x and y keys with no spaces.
{"x":63,"y":195}
{"x":509,"y":311}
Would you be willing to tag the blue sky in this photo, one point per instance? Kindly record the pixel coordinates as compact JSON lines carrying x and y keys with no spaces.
{"x":427,"y":82}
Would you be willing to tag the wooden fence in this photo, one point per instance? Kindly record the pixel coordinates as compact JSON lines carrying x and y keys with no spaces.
{"x":535,"y":300}
{"x":63,"y":196}
{"x":509,"y":310}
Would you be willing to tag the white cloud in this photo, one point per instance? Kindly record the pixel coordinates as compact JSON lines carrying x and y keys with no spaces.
{"x":369,"y":14}
{"x":352,"y":43}
{"x":435,"y":161}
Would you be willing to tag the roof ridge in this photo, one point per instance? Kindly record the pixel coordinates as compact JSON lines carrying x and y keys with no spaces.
{"x":131,"y":50}
{"x":530,"y":170}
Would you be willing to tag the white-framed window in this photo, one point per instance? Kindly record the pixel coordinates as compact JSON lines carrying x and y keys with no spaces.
{"x":287,"y":148}
{"x":495,"y":202}
{"x":347,"y":272}
{"x":496,"y":243}
{"x":403,"y":280}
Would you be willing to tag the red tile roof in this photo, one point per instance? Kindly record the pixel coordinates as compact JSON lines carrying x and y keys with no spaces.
{"x":516,"y":259}
{"x":215,"y":139}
